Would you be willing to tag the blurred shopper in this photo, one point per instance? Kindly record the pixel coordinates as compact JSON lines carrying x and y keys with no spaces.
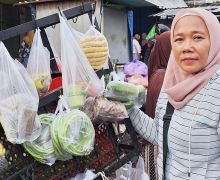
{"x":136,"y":47}
{"x":144,"y":47}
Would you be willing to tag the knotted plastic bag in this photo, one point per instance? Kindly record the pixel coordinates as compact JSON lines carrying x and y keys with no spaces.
{"x":95,"y":47}
{"x":72,"y":132}
{"x":78,"y":78}
{"x":18,"y":102}
{"x":39,"y":64}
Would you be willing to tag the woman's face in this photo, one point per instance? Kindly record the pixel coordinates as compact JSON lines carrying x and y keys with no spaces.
{"x":191,"y":44}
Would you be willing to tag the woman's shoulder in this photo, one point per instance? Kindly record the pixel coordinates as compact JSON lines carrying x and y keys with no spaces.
{"x":215,"y":79}
{"x":162,"y":99}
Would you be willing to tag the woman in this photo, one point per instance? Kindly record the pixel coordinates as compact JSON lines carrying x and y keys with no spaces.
{"x":157,"y":64}
{"x":192,"y":86}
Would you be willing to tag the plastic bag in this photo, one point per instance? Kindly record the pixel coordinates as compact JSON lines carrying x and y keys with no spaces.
{"x":87,"y":175}
{"x":42,"y":148}
{"x":78,"y":77}
{"x":72,"y":131}
{"x":125,"y":92}
{"x":126,"y":172}
{"x":138,"y":80}
{"x":95,"y":47}
{"x":18,"y":102}
{"x":39,"y":64}
{"x":135,"y":67}
{"x":26,"y":77}
{"x":107,"y":110}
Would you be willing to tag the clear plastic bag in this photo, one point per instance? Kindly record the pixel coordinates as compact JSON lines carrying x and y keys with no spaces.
{"x":109,"y":110}
{"x":139,"y":172}
{"x":87,"y":175}
{"x":127,"y":172}
{"x":39,"y":64}
{"x":125,"y":92}
{"x":78,"y":77}
{"x":42,"y":148}
{"x":95,"y":47}
{"x":72,"y":132}
{"x":18,"y":102}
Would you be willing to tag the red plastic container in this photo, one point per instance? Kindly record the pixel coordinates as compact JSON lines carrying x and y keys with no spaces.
{"x":55,"y":83}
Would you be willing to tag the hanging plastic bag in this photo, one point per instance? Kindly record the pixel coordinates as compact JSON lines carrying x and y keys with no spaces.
{"x":125,"y":92}
{"x":95,"y":47}
{"x":139,"y":172}
{"x":72,"y":132}
{"x":26,"y":77}
{"x":42,"y":148}
{"x":18,"y":102}
{"x":78,"y":77}
{"x":126,"y":172}
{"x":39,"y":64}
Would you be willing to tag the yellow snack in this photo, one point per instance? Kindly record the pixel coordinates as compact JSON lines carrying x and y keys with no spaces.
{"x":93,"y":38}
{"x":93,"y":44}
{"x":96,"y":55}
{"x":95,"y":49}
{"x":97,"y":61}
{"x":97,"y":67}
{"x":2,"y":150}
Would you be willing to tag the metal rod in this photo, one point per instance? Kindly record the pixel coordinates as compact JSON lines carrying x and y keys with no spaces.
{"x":44,"y":22}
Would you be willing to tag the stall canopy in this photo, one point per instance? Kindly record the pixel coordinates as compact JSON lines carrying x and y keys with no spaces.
{"x":163,"y":4}
{"x":170,"y":13}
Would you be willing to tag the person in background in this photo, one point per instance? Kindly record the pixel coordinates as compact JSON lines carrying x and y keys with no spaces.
{"x":25,"y":47}
{"x":143,"y":47}
{"x":136,"y":47}
{"x":157,"y":64}
{"x":188,"y":147}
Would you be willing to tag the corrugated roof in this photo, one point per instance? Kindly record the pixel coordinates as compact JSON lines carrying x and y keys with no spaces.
{"x":163,"y":4}
{"x":168,"y":3}
{"x":132,"y":3}
{"x":172,"y":12}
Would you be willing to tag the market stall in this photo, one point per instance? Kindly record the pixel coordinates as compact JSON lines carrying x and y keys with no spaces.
{"x":111,"y":148}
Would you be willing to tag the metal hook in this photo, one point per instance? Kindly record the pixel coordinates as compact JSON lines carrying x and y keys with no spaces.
{"x":59,"y":10}
{"x":75,"y":20}
{"x":93,"y":7}
{"x":82,"y":7}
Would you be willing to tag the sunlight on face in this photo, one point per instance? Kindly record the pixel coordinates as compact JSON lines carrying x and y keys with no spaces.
{"x":191,"y":44}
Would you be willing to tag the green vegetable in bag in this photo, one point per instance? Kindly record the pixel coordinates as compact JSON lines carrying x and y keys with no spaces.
{"x":42,"y":148}
{"x":76,"y":96}
{"x":122,"y":88}
{"x":73,"y":132}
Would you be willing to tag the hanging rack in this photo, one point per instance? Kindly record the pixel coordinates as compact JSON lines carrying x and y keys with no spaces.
{"x":45,"y":22}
